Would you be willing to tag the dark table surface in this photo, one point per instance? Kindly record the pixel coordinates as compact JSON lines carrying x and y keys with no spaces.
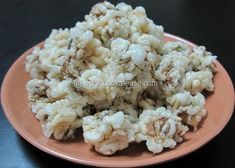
{"x":24,"y":23}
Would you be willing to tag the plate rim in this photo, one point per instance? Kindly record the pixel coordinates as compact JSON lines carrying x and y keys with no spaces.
{"x":148,"y":161}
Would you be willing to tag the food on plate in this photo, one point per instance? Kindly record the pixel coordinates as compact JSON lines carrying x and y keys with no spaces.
{"x":115,"y":77}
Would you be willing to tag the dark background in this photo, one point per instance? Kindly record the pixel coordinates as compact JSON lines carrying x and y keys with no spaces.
{"x":24,"y":23}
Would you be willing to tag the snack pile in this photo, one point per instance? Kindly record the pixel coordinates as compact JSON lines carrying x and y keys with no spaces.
{"x":83,"y":78}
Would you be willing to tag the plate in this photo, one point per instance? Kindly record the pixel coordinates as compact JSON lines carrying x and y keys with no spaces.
{"x":15,"y":105}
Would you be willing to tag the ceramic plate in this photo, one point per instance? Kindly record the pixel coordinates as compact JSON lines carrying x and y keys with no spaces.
{"x":15,"y":105}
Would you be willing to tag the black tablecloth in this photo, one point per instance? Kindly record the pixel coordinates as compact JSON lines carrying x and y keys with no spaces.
{"x":23,"y":23}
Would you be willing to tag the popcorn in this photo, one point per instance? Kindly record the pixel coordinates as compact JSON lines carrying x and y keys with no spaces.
{"x":201,"y":59}
{"x":198,"y":81}
{"x":59,"y":118}
{"x":137,"y":54}
{"x":190,"y":108}
{"x":160,"y":128}
{"x":36,"y":89}
{"x":82,"y":78}
{"x":108,"y":132}
{"x":119,"y":48}
{"x":170,"y":73}
{"x":177,"y":46}
{"x":58,"y":89}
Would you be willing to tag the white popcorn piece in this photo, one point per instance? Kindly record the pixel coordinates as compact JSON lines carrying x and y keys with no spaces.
{"x":190,"y":108}
{"x":170,"y":73}
{"x":160,"y":128}
{"x":58,"y":119}
{"x":36,"y":89}
{"x":201,"y":59}
{"x":196,"y":82}
{"x":59,"y":89}
{"x":119,"y":47}
{"x":178,"y":46}
{"x":137,"y":54}
{"x":108,"y":132}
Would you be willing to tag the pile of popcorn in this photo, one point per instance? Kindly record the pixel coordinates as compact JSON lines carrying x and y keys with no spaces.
{"x":118,"y":44}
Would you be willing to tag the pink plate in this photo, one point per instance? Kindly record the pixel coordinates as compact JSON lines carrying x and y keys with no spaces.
{"x":15,"y":105}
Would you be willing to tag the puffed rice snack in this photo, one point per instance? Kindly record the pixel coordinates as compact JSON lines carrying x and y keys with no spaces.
{"x":113,"y":76}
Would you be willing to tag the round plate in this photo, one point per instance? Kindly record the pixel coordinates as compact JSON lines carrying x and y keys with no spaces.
{"x":15,"y":105}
